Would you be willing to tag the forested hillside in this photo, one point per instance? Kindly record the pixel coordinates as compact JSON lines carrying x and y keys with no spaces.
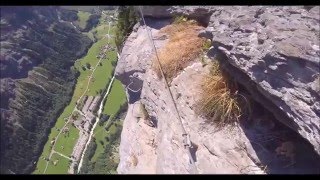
{"x":37,"y":79}
{"x":127,"y":18}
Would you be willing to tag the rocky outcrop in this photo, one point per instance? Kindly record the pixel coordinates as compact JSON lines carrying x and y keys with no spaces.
{"x":159,"y":149}
{"x":155,"y":11}
{"x":276,"y":62}
{"x":199,"y":13}
{"x":276,"y":49}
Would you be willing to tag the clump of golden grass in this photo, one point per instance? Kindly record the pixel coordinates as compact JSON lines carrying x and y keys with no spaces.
{"x":220,"y":100}
{"x":183,"y":46}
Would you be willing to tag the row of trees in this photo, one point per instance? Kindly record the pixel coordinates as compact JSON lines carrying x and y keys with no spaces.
{"x":127,"y":18}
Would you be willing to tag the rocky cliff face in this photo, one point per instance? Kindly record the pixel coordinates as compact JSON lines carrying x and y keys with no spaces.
{"x":159,"y":149}
{"x":278,"y":49}
{"x":273,"y":52}
{"x":37,"y":51}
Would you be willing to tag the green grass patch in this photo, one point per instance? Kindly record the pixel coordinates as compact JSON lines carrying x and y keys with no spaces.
{"x":61,"y":166}
{"x":90,"y":35}
{"x":40,"y":166}
{"x":115,"y":99}
{"x":101,"y":31}
{"x":67,"y":141}
{"x":47,"y":148}
{"x":102,"y":75}
{"x":101,"y":137}
{"x":83,"y":17}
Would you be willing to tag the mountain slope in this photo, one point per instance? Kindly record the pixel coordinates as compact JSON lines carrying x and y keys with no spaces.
{"x":37,"y":52}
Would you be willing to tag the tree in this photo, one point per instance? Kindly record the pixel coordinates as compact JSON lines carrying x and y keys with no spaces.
{"x":74,"y":116}
{"x":101,"y":142}
{"x":83,"y":68}
{"x":88,"y":65}
{"x":113,"y":63}
{"x":127,"y":18}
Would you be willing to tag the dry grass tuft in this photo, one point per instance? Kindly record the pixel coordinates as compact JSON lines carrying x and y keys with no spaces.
{"x":183,"y":46}
{"x":220,"y":100}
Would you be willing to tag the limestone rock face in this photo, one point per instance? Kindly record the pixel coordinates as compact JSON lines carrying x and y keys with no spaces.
{"x":278,"y":49}
{"x":155,"y":11}
{"x":199,"y":13}
{"x":159,"y":149}
{"x":272,"y":51}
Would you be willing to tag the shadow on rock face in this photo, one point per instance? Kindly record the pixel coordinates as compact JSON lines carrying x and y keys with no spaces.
{"x":297,"y":69}
{"x":156,"y":23}
{"x":193,"y":151}
{"x":278,"y":147}
{"x":134,"y":89}
{"x":154,"y":121}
